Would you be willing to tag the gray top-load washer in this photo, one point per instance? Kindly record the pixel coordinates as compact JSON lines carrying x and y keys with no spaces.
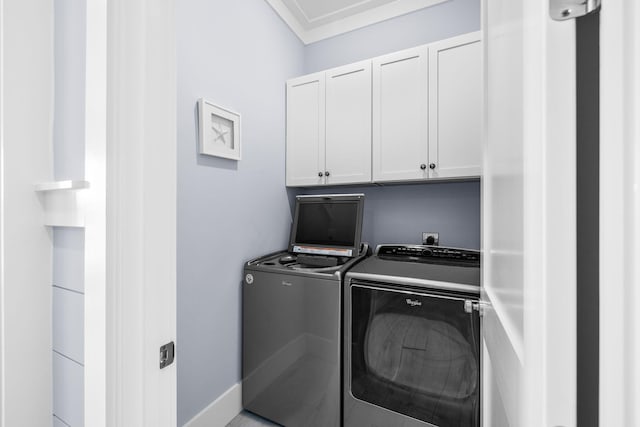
{"x":291,"y":317}
{"x":291,"y":336}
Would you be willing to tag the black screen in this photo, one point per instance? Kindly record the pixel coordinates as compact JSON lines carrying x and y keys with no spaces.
{"x":327,"y":224}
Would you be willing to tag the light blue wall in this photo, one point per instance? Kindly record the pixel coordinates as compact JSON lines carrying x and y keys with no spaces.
{"x":68,"y":243}
{"x":237,"y":54}
{"x":68,"y":121}
{"x":400,"y":213}
{"x":68,"y":325}
{"x":438,"y":22}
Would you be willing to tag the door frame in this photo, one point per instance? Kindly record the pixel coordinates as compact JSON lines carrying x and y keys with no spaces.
{"x":130,"y":216}
{"x":141,"y":211}
{"x":95,"y":220}
{"x":619,"y":377}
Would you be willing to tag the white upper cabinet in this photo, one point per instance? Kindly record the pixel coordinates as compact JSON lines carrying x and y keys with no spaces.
{"x":408,"y":116}
{"x":400,"y":100}
{"x":348,"y":124}
{"x":306,"y":130}
{"x":455,"y":107}
{"x":427,"y":111}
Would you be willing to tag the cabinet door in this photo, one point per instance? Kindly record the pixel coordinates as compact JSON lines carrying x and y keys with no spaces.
{"x":455,"y":107}
{"x":400,"y":115}
{"x":306,"y":130}
{"x":348,"y":126}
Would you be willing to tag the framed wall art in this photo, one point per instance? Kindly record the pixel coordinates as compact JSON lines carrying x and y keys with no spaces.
{"x":219,"y":131}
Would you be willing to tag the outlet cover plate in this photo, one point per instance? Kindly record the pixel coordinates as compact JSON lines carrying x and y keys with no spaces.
{"x":427,"y":234}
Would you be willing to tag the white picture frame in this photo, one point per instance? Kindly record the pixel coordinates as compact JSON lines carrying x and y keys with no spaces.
{"x":219,"y":131}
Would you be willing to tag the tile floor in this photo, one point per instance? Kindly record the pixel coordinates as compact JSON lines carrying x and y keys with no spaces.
{"x":247,"y":419}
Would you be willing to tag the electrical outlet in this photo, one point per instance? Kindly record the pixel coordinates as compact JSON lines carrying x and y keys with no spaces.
{"x":430,"y":238}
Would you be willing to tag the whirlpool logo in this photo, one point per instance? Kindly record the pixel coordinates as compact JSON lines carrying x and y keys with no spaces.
{"x":413,"y":302}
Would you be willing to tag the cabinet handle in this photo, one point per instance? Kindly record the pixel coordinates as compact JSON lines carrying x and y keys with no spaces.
{"x":326,"y":173}
{"x":423,"y":166}
{"x":320,"y":174}
{"x":432,"y":165}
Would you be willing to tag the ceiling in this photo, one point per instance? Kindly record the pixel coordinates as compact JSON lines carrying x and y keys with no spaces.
{"x":314,"y":20}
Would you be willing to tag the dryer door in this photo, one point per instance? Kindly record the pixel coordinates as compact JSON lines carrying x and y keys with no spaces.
{"x":413,"y":353}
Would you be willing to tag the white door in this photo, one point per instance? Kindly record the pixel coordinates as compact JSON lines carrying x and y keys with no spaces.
{"x":306,"y":130}
{"x":348,"y":124}
{"x":455,"y":107}
{"x":528,"y":188}
{"x":400,"y":119}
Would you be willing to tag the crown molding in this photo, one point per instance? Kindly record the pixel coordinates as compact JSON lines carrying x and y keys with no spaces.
{"x":309,"y":34}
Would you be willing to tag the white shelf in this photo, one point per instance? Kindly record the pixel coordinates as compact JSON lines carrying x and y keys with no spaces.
{"x":61,"y":185}
{"x":63,"y":202}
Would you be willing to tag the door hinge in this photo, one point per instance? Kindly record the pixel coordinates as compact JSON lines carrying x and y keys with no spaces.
{"x":474,"y":305}
{"x":167,"y":354}
{"x":561,"y":10}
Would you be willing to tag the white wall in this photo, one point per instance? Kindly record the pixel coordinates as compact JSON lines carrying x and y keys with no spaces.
{"x":26,"y":91}
{"x":237,"y":55}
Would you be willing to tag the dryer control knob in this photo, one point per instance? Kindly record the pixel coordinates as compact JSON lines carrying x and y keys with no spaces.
{"x":248,"y":278}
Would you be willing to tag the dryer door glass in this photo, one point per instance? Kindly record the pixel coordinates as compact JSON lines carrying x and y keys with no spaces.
{"x":416,"y":354}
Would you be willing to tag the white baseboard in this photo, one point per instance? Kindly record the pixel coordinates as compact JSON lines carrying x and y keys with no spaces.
{"x":221,"y":411}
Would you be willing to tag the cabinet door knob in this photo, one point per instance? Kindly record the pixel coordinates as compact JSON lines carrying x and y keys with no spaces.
{"x":432,"y":165}
{"x":326,"y":173}
{"x":320,"y":174}
{"x":423,"y":166}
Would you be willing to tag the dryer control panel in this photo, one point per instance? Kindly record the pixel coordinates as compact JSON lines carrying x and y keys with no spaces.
{"x":426,"y":253}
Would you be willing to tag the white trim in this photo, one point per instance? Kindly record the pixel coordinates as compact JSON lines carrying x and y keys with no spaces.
{"x":92,"y":213}
{"x":60,"y":185}
{"x":509,"y":329}
{"x":308,"y":33}
{"x":619,"y":213}
{"x":289,"y":19}
{"x":141,"y":212}
{"x":557,"y":297}
{"x":221,"y":411}
{"x":3,"y":345}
